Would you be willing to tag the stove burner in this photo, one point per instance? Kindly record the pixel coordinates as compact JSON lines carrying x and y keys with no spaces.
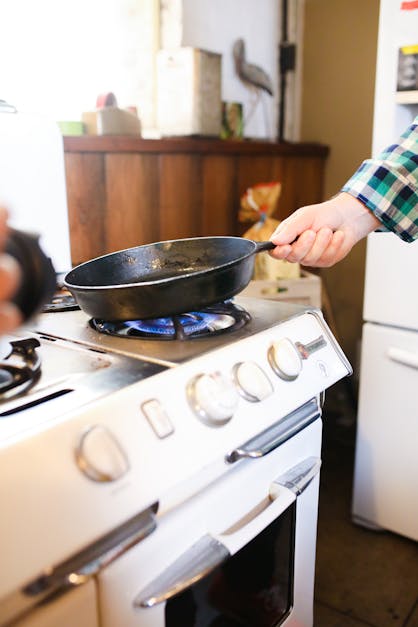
{"x":21,"y":369}
{"x":210,"y":321}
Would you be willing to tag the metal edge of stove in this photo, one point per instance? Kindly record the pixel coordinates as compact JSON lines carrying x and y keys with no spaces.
{"x":319,"y":317}
{"x":264,"y":315}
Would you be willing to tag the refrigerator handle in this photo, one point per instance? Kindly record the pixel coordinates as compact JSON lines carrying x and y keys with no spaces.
{"x":402,"y":356}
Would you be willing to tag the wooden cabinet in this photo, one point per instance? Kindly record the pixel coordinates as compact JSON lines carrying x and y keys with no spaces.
{"x":126,"y":191}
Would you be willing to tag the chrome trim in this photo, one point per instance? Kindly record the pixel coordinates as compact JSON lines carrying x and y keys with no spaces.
{"x":274,"y":436}
{"x":192,"y":566}
{"x":306,"y":350}
{"x":79,"y":568}
{"x":335,"y":345}
{"x":300,"y":476}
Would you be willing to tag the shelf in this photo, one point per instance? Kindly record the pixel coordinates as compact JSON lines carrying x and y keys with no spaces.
{"x":190,"y":145}
{"x":407,"y":97}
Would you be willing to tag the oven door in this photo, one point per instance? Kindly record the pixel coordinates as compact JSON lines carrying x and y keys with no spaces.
{"x":240,"y":554}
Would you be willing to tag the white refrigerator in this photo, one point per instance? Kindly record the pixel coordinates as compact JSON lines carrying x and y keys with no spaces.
{"x":385,"y":493}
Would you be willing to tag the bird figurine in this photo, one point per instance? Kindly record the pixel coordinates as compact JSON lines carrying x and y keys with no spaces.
{"x":248,"y":72}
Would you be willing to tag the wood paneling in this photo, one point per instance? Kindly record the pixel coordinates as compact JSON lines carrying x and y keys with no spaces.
{"x":125,"y":191}
{"x":180,"y":194}
{"x":132,"y":188}
{"x":86,"y":194}
{"x":218,"y":195}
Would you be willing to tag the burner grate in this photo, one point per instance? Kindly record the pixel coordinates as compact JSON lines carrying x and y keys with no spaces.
{"x":21,"y":369}
{"x":210,"y":321}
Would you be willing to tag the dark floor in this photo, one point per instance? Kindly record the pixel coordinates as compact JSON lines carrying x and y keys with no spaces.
{"x":362,"y":577}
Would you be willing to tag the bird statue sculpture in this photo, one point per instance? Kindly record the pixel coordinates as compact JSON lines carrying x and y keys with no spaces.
{"x":248,"y":72}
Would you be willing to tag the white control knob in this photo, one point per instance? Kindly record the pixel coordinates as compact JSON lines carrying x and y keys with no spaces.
{"x":252,"y":381}
{"x":213,"y":398}
{"x":285,"y":359}
{"x":100,"y":456}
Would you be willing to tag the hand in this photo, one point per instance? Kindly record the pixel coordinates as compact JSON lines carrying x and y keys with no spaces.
{"x":323,"y":234}
{"x":10,"y":316}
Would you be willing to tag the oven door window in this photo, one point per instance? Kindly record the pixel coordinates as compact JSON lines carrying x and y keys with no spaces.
{"x":252,"y":588}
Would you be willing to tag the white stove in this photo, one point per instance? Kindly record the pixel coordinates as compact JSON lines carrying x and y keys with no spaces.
{"x":118,"y":432}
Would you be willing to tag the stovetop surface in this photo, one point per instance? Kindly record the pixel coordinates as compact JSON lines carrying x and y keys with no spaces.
{"x":74,"y":326}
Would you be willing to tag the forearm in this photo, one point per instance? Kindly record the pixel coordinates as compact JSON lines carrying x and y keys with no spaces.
{"x":388,"y":185}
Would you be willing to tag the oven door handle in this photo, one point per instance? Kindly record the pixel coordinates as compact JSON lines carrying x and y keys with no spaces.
{"x":283,"y":492}
{"x":211,"y":550}
{"x":277,"y":434}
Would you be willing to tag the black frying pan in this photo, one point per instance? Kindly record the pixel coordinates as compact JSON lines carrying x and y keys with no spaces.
{"x":164,"y":278}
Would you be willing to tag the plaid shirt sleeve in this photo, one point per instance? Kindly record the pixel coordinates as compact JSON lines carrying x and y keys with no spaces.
{"x":388,"y":185}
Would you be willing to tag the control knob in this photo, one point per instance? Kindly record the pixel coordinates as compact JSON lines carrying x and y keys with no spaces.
{"x":285,"y":359}
{"x":213,"y":398}
{"x":252,"y":381}
{"x":99,"y":455}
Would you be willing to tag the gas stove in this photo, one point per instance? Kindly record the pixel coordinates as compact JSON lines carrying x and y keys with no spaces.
{"x":115,"y":425}
{"x":76,"y":327}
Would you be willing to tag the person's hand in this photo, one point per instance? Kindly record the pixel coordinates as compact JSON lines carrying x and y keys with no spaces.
{"x":10,"y":315}
{"x":320,"y":235}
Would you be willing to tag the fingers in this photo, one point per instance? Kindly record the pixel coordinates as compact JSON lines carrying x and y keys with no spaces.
{"x":288,"y":230}
{"x":9,"y":276}
{"x":10,"y":317}
{"x":3,"y":226}
{"x":321,"y":249}
{"x":310,"y":246}
{"x":336,"y":250}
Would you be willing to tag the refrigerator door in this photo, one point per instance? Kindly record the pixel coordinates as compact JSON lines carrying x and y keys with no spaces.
{"x":391,"y":285}
{"x":32,"y":181}
{"x":386,"y":464}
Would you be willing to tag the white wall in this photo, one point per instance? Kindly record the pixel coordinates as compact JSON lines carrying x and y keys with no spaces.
{"x":57,"y":56}
{"x":215,"y":25}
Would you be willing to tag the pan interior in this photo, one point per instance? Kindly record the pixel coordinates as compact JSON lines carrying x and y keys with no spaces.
{"x":160,"y":262}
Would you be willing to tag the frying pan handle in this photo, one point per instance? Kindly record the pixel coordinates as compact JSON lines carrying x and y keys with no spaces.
{"x":260,"y":246}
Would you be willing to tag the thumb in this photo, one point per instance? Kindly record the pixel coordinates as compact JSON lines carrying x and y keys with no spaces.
{"x":291,"y":228}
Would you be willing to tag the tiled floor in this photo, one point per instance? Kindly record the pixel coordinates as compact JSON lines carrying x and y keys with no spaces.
{"x":362,"y":577}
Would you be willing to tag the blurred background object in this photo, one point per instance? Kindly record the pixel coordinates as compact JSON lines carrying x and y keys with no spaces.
{"x":232,"y":120}
{"x":189,"y":92}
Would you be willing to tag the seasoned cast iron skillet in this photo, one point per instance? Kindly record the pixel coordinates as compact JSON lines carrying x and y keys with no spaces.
{"x":164,"y":278}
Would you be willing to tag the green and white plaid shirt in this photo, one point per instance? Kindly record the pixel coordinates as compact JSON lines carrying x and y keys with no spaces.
{"x":388,"y":185}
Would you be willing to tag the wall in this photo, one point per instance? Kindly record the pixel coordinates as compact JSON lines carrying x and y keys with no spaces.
{"x":58,"y":56}
{"x":339,"y":59}
{"x":215,"y":25}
